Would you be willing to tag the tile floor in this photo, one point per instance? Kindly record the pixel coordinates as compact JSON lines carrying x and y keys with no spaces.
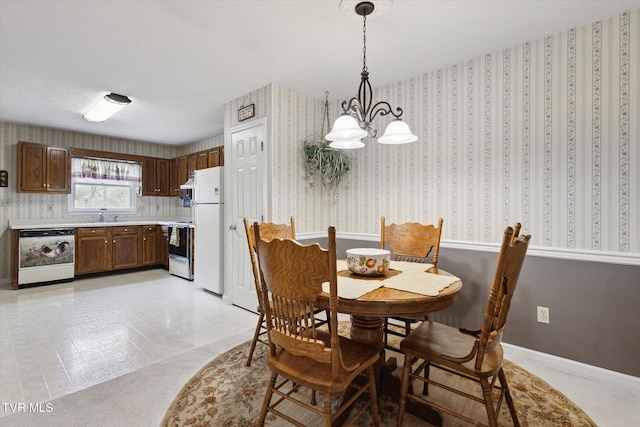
{"x":115,"y":350}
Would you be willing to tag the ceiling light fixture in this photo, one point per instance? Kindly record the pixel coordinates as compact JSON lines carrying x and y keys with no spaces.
{"x":106,"y":107}
{"x":358,"y":113}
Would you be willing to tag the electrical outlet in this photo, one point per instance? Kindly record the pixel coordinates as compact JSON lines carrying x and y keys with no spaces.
{"x":543,"y":314}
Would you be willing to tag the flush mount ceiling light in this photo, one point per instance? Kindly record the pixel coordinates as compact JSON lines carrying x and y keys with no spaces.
{"x":358,"y":113}
{"x":106,"y":107}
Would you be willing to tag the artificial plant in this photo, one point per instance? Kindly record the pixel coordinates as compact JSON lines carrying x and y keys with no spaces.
{"x":326,"y":164}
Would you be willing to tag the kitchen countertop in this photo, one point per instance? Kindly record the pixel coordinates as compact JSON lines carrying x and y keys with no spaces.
{"x":26,"y":224}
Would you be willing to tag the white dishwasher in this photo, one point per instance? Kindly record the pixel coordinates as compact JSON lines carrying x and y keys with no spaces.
{"x":46,"y":255}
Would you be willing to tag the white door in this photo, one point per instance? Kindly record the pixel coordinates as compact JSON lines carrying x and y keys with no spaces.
{"x":247,"y":198}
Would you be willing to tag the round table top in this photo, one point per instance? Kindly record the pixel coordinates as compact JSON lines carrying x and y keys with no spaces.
{"x":387,"y":302}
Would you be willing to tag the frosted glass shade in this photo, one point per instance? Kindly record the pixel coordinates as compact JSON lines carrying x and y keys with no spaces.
{"x":397,"y":132}
{"x":346,"y":144}
{"x":346,"y":128}
{"x":106,"y":107}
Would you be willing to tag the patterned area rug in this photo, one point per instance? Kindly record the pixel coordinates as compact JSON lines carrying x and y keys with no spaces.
{"x":227,"y":393}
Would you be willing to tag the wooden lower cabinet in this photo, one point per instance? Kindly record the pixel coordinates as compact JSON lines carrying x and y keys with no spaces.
{"x":125,"y":252}
{"x":163,"y":246}
{"x":92,"y":250}
{"x":150,"y":244}
{"x":100,"y":249}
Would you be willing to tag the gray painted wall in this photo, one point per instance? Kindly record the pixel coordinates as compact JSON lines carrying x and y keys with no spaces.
{"x":594,"y":308}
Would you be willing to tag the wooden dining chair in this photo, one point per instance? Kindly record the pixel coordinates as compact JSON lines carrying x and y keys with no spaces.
{"x":300,"y":354}
{"x":268,"y":231}
{"x":411,"y":242}
{"x":475,"y":355}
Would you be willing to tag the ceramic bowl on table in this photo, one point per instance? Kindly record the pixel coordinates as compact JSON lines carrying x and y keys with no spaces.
{"x":368,"y":261}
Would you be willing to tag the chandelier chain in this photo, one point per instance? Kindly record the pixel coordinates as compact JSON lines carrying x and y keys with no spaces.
{"x":364,"y":43}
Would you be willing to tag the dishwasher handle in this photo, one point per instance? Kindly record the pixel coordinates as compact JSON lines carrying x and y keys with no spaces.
{"x":48,"y":232}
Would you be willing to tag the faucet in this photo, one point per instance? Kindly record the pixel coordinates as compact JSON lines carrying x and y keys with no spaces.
{"x":101,"y":219}
{"x":115,"y":218}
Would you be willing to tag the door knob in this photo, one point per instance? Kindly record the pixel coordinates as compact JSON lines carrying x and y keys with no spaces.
{"x":232,"y":227}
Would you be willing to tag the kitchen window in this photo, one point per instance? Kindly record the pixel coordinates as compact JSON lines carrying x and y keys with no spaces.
{"x":102,"y":184}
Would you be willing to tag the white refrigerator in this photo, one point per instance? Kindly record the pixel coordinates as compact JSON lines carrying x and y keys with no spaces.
{"x":207,"y":205}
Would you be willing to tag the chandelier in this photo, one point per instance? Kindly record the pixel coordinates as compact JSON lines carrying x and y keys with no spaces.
{"x":358,"y":113}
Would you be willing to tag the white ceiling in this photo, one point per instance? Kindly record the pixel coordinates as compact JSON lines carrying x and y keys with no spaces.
{"x":180,"y":61}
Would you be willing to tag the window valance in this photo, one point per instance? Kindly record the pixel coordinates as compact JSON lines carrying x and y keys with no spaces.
{"x":103,"y":169}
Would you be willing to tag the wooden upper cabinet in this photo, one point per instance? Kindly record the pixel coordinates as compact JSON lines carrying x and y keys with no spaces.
{"x":149,"y":177}
{"x":174,"y":182}
{"x":192,"y":163}
{"x":183,"y":170}
{"x":203,"y":160}
{"x":43,"y":169}
{"x":155,"y":177}
{"x":162,"y":177}
{"x":32,"y":167}
{"x":216,"y":157}
{"x":58,"y":170}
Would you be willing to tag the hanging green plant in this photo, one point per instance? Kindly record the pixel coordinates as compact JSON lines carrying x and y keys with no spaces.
{"x":327,"y":164}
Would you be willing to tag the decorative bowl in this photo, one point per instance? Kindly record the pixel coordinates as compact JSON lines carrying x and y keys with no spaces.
{"x":368,"y":261}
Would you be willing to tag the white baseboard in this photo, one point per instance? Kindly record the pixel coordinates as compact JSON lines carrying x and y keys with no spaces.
{"x":572,"y":366}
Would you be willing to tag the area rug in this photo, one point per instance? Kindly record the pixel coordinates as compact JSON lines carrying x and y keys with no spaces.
{"x":227,"y":393}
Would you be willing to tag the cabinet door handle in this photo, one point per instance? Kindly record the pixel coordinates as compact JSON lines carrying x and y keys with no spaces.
{"x":105,"y":241}
{"x":144,"y":238}
{"x":93,"y":231}
{"x":114,"y":240}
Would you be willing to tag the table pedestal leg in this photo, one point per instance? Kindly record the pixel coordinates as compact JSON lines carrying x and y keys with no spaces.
{"x":370,"y":330}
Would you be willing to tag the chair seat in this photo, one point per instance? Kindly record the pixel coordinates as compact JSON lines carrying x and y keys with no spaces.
{"x":316,"y":375}
{"x":416,"y":319}
{"x":431,"y":340}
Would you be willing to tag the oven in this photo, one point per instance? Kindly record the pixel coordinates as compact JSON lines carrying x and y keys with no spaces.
{"x":46,"y":255}
{"x":180,"y":241}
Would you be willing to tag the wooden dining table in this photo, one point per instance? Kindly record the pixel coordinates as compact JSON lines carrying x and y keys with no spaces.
{"x":368,"y":312}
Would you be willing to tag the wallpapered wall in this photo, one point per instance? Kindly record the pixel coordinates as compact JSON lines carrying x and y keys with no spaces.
{"x":545,"y":133}
{"x":15,"y":205}
{"x":291,"y":118}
